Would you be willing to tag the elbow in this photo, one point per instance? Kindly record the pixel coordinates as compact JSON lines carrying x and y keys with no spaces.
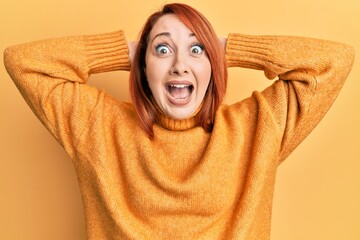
{"x":346,"y":57}
{"x":16,"y":62}
{"x":8,"y":58}
{"x":11,"y":60}
{"x":341,"y":62}
{"x":351,"y":53}
{"x":337,"y":65}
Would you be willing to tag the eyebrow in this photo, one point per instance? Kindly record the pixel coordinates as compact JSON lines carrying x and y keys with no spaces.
{"x":167,"y":34}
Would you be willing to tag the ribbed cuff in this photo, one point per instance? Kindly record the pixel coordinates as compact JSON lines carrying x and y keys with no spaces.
{"x":107,"y":52}
{"x":248,"y":51}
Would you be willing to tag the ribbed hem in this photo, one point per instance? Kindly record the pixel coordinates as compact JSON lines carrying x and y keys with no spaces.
{"x":107,"y":52}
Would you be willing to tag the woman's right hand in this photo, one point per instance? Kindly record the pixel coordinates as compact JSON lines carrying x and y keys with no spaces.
{"x":223,"y":41}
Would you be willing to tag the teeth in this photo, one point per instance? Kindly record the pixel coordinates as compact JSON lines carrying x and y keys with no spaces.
{"x":179,"y":86}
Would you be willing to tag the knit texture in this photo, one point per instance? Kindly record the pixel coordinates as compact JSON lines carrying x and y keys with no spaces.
{"x":184,"y":183}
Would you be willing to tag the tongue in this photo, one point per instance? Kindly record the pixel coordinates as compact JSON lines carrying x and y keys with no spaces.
{"x":179,"y":93}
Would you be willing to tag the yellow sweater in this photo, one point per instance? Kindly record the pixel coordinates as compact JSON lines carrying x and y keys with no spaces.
{"x":185,"y":183}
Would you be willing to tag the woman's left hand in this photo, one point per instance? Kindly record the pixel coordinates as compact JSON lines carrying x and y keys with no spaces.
{"x":132,"y":49}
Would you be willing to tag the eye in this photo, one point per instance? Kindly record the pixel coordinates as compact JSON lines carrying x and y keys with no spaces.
{"x":162,"y":49}
{"x":197,"y":49}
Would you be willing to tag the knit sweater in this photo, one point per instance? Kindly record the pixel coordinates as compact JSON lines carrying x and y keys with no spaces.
{"x":185,"y":183}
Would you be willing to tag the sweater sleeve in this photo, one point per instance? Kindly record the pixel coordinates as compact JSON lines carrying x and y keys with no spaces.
{"x":52,"y":74}
{"x":310,"y":75}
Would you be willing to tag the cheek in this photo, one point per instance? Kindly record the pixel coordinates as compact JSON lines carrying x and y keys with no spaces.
{"x":155,"y":68}
{"x":155,"y":72}
{"x":204,"y":75}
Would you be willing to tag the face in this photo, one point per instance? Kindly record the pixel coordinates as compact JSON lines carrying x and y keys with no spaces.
{"x":178,"y":69}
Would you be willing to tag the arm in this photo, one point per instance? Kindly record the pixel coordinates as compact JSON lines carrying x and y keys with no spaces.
{"x":51,"y":76}
{"x":310,"y":75}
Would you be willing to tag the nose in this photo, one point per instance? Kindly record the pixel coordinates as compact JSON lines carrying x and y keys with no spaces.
{"x":180,"y":65}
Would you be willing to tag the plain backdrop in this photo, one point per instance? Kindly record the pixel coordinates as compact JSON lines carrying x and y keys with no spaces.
{"x":317,"y":194}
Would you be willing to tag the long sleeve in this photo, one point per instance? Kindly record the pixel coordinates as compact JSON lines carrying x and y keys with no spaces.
{"x":310,"y":75}
{"x":52,"y":74}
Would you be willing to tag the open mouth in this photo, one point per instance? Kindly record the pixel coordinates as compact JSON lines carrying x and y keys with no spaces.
{"x":179,"y":93}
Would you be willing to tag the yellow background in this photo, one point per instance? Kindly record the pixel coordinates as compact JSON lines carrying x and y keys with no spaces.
{"x":317,"y":195}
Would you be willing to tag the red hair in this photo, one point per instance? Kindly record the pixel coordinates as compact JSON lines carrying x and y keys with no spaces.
{"x":139,"y":90}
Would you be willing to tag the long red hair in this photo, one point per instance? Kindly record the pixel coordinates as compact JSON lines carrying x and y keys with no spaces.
{"x":139,"y":90}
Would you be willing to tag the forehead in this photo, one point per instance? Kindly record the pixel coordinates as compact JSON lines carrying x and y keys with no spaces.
{"x":169,"y":23}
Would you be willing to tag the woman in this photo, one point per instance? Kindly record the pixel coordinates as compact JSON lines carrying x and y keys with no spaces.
{"x":176,"y":163}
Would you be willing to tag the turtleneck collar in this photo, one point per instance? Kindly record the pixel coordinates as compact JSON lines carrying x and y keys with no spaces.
{"x":177,"y":124}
